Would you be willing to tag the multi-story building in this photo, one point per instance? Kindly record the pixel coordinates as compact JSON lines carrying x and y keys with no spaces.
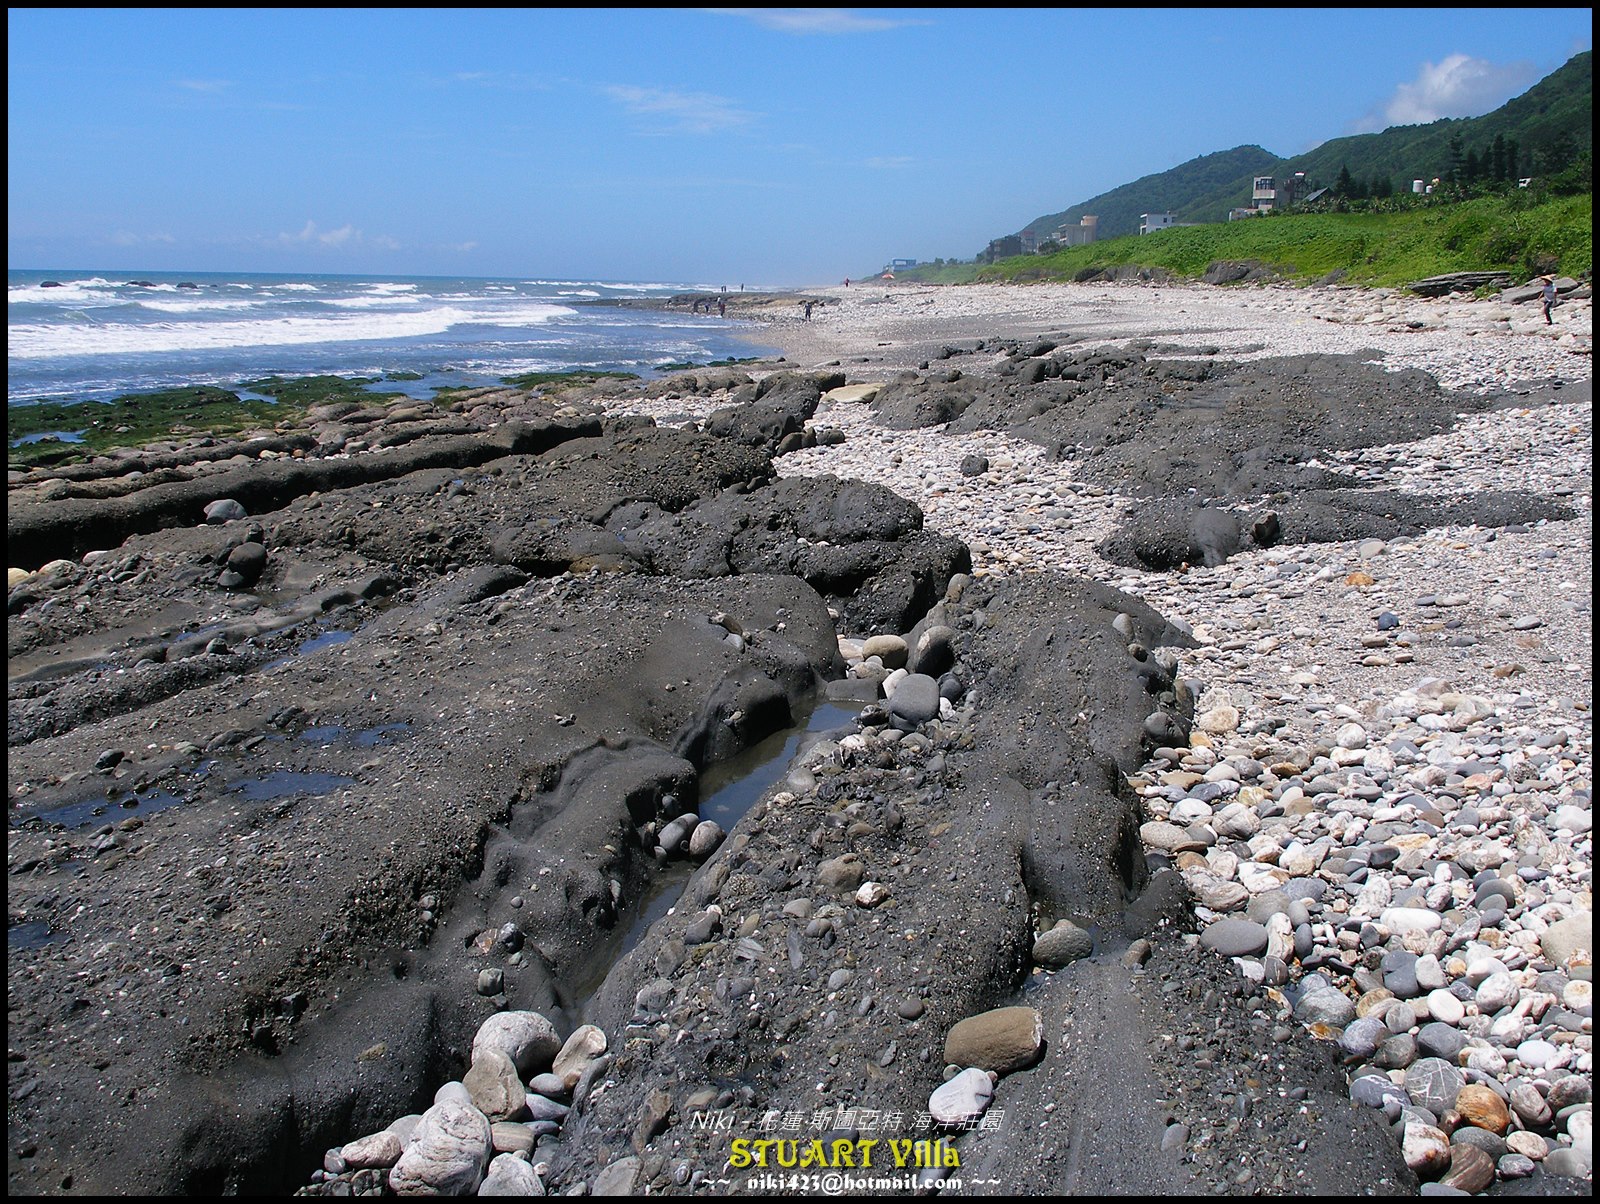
{"x":1080,"y":234}
{"x":1269,"y":192}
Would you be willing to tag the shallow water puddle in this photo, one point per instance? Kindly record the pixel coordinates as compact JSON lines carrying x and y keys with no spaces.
{"x":35,"y":934}
{"x":316,"y":643}
{"x":371,"y":737}
{"x":728,"y":789}
{"x":264,"y":788}
{"x":98,"y":809}
{"x":285,"y":783}
{"x":326,"y":640}
{"x":56,"y":436}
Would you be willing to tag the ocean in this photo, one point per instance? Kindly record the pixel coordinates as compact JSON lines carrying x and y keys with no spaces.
{"x":84,"y":336}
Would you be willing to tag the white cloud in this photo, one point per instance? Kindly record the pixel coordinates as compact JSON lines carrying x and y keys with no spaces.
{"x":683,"y":112}
{"x":815,"y":20}
{"x":126,"y":238}
{"x":890,"y":161}
{"x":211,"y":86}
{"x":511,"y":81}
{"x":1460,"y":86}
{"x":327,"y":238}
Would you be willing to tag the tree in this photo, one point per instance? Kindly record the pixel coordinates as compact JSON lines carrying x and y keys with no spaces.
{"x":1342,"y":185}
{"x":1469,"y":171}
{"x":1452,"y":173}
{"x":1576,"y":177}
{"x":1555,"y":154}
{"x":1497,"y":159}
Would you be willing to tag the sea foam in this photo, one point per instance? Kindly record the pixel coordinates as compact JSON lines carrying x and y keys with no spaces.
{"x":35,"y":341}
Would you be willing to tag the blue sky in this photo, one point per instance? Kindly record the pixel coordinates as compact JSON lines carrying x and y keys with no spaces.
{"x":769,"y":146}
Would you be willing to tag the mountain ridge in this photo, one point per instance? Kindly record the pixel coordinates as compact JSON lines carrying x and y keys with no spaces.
{"x":1550,"y":123}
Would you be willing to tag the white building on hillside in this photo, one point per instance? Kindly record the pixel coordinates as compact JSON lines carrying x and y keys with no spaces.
{"x":1149,"y":223}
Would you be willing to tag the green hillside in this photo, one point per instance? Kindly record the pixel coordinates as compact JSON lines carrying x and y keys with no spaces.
{"x":1549,"y":126}
{"x":1175,"y":190}
{"x":1517,"y":233}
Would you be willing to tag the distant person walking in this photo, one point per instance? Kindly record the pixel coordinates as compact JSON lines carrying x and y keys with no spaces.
{"x":808,"y":305}
{"x":1549,"y":295}
{"x":847,"y":282}
{"x":722,"y":308}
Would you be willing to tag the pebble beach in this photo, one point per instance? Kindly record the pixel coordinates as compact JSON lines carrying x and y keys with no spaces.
{"x":1353,"y":839}
{"x":1392,"y":761}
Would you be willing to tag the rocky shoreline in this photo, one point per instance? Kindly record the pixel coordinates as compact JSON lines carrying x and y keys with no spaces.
{"x":1182,"y":622}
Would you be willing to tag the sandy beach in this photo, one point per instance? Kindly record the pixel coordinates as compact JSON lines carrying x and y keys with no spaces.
{"x":1215,"y":817}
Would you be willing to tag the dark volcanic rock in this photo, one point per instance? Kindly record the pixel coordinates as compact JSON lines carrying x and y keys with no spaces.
{"x":1238,"y":271}
{"x":527,"y":737}
{"x":472,"y":685}
{"x":1167,"y":534}
{"x":764,"y":415}
{"x":1206,"y":444}
{"x":1459,"y":282}
{"x":68,"y":527}
{"x":1015,"y":805}
{"x":413,"y":716}
{"x":860,"y":545}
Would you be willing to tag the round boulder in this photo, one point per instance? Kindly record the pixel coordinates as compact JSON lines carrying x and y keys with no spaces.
{"x":915,"y":700}
{"x":587,"y":1043}
{"x":447,"y":1155}
{"x":934,"y":653}
{"x":889,"y":649}
{"x":224,"y":510}
{"x":1433,"y":1083}
{"x":1001,"y":1040}
{"x":1482,"y":1107}
{"x":527,"y":1038}
{"x":1235,"y":937}
{"x":1064,"y":943}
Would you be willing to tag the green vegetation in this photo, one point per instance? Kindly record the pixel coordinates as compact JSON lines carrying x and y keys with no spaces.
{"x":1544,"y":130}
{"x":689,"y":366}
{"x":1516,"y":233}
{"x":130,"y":421}
{"x":941,"y":273}
{"x":1208,"y":185}
{"x":136,"y":419}
{"x":303,"y":392}
{"x":537,"y":380}
{"x":1546,"y":133}
{"x":534,"y":380}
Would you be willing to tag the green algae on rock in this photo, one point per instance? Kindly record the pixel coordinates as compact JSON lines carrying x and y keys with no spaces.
{"x":136,"y":419}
